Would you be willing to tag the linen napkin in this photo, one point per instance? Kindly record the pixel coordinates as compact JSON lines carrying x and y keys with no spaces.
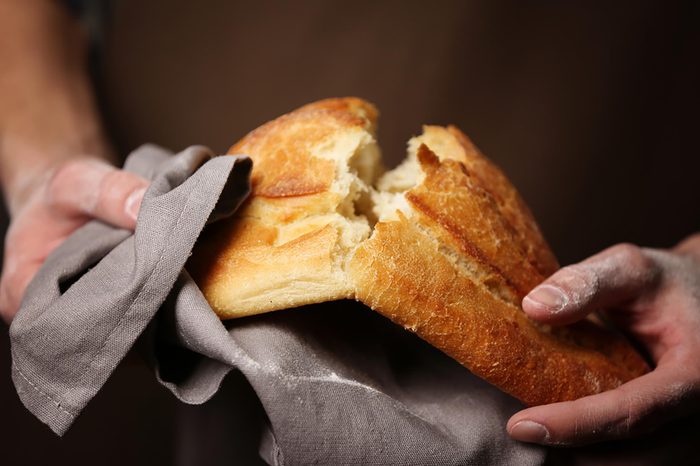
{"x":339,"y":384}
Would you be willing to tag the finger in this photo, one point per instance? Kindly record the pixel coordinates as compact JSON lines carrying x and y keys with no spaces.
{"x":12,"y":286}
{"x":629,"y":410}
{"x":612,"y":277}
{"x":26,"y":249}
{"x":96,"y":189}
{"x":689,"y":246}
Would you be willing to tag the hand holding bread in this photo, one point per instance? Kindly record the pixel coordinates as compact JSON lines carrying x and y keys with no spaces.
{"x":442,"y":245}
{"x":655,"y":296}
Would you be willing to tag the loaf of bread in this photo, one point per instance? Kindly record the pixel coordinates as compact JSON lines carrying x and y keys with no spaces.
{"x":442,"y":245}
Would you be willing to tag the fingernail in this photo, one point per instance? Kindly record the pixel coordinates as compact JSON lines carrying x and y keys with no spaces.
{"x":529,"y":431}
{"x":549,"y":296}
{"x":133,"y":203}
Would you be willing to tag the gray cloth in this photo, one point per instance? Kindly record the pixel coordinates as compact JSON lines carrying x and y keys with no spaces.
{"x":338,"y":383}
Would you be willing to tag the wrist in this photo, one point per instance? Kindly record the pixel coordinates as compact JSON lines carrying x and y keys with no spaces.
{"x":40,"y":133}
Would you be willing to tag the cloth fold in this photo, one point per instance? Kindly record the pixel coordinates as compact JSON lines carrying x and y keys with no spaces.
{"x":97,"y":292}
{"x":339,"y":384}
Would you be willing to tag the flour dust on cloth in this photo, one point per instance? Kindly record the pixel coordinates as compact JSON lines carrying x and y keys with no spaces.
{"x":338,"y":383}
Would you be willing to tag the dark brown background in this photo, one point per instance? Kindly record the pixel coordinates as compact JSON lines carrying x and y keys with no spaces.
{"x":591,"y":110}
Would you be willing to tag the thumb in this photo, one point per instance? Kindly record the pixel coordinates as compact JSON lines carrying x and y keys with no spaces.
{"x":96,"y":189}
{"x":614,"y":276}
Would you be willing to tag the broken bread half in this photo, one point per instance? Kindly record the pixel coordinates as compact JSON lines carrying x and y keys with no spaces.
{"x":443,"y":245}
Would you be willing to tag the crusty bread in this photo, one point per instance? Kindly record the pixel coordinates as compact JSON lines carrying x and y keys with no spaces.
{"x":442,"y":245}
{"x":287,"y":245}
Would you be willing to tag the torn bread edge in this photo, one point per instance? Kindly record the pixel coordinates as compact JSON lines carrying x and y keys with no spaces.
{"x":394,"y":244}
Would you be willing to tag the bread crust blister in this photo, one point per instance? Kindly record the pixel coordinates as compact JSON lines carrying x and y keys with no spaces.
{"x":443,"y":245}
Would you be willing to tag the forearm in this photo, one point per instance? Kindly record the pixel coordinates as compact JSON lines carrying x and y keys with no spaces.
{"x":47,"y":110}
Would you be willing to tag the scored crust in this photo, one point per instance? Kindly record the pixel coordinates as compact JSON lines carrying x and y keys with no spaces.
{"x":442,"y":245}
{"x":450,"y":268}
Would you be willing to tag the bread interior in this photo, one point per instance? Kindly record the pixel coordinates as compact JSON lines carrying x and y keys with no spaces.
{"x":371,"y":194}
{"x":388,"y":198}
{"x":387,"y":201}
{"x":292,"y":242}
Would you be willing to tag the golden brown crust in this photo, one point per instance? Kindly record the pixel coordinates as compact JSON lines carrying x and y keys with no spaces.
{"x":280,"y":249}
{"x":424,"y":292}
{"x":242,"y":260}
{"x":355,"y":111}
{"x":457,"y":146}
{"x":282,"y":150}
{"x":459,"y":212}
{"x":455,"y":274}
{"x":453,"y":268}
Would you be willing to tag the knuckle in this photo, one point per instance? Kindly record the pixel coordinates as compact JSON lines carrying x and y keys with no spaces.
{"x":63,"y":176}
{"x":633,"y":256}
{"x":73,"y":186}
{"x":643,"y":412}
{"x":636,"y":411}
{"x":114,"y":189}
{"x":626,"y":250}
{"x":579,"y":277}
{"x":645,"y":265}
{"x":628,"y":423}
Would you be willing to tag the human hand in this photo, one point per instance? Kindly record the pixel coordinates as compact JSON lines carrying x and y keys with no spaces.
{"x":654,"y":295}
{"x":53,"y":205}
